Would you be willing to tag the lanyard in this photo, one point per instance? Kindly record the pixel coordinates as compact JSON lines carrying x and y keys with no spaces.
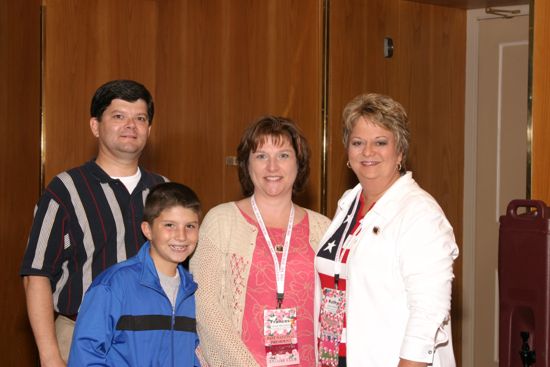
{"x":344,"y":241}
{"x":280,"y":269}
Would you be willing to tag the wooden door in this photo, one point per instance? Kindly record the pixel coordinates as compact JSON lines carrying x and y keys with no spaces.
{"x":426,"y":74}
{"x":19,"y":162}
{"x":540,"y":106}
{"x":87,"y":43}
{"x":356,"y":66}
{"x":221,"y":64}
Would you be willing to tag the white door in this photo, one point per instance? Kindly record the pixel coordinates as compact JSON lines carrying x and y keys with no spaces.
{"x":495,"y":167}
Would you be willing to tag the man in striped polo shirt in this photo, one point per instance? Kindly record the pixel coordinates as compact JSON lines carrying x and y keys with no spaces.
{"x":88,"y":217}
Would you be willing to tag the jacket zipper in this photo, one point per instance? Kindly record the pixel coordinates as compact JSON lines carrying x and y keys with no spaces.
{"x":172,"y":334}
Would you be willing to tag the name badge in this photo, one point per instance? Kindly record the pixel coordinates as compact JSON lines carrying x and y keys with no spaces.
{"x":281,"y":337}
{"x":333,"y":305}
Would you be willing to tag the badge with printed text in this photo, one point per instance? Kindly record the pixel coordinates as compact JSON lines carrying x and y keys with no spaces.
{"x":281,"y":337}
{"x":331,"y":317}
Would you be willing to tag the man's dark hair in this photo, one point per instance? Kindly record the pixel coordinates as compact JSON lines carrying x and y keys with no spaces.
{"x":168,"y":195}
{"x":127,"y":90}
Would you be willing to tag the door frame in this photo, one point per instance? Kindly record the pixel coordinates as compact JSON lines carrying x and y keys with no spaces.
{"x":470,"y":166}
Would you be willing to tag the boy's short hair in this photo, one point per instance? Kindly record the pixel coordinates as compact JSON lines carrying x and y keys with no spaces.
{"x":168,"y":195}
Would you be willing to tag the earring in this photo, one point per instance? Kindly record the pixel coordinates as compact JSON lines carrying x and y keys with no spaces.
{"x":348,"y":164}
{"x":399,"y":167}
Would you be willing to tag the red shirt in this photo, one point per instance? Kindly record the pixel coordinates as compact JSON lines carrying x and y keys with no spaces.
{"x":261,"y":290}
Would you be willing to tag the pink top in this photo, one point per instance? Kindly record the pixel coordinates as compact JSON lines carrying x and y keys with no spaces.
{"x":299,"y":289}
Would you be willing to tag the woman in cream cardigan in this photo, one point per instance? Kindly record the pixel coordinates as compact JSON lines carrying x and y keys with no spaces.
{"x":242,"y":244}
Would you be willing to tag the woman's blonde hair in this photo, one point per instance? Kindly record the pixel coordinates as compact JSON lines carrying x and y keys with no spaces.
{"x":383,"y":111}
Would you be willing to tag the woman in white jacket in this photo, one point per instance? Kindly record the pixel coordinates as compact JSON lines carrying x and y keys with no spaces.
{"x":385,"y":264}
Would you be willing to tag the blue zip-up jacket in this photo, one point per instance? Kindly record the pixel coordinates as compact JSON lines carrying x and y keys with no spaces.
{"x":126,"y":319}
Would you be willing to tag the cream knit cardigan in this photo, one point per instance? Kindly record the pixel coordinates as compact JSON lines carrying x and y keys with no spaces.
{"x":220,"y":266}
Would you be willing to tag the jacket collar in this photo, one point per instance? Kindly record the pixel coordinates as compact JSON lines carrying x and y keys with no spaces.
{"x":388,"y":203}
{"x":149,"y":276}
{"x":385,"y":207}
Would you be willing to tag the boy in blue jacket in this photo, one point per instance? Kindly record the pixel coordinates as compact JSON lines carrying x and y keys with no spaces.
{"x":141,"y":312}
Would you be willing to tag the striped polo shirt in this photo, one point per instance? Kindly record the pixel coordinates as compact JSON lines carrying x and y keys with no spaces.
{"x":84,"y":222}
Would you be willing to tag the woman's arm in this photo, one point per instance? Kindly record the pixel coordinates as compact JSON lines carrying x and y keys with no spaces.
{"x":407,"y":363}
{"x":220,"y":342}
{"x":427,"y":251}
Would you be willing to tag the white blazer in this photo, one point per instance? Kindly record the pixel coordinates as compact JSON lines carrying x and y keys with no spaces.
{"x":400,"y":270}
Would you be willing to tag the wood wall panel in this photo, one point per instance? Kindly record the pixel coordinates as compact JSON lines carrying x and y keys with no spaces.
{"x":426,"y":74}
{"x":87,"y":43}
{"x":433,"y":66}
{"x":432,"y":49}
{"x":19,"y":165}
{"x":540,"y":158}
{"x":356,"y":65}
{"x":473,"y":4}
{"x":221,"y":64}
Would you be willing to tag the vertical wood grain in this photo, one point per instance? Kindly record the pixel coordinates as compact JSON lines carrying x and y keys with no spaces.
{"x":432,"y":51}
{"x":19,"y":162}
{"x":426,"y":74}
{"x":356,"y":65}
{"x":540,"y":105}
{"x":87,"y":43}
{"x":221,"y":65}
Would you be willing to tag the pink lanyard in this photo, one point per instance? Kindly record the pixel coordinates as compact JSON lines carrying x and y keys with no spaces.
{"x":280,"y":269}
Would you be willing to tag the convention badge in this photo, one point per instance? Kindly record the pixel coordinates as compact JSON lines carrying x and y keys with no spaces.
{"x":331,"y":316}
{"x":281,"y":337}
